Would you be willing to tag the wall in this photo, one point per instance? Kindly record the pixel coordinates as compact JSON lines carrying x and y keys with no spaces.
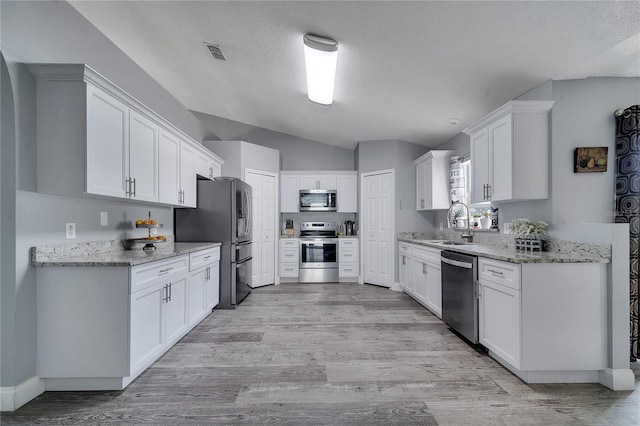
{"x":55,"y":32}
{"x":240,"y":155}
{"x":581,"y":116}
{"x":295,"y":153}
{"x":397,"y":155}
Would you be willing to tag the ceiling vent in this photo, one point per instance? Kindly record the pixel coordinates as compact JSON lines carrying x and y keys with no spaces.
{"x":215,"y":51}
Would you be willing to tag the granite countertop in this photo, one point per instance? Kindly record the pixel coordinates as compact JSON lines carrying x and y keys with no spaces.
{"x":511,"y":255}
{"x":109,"y":253}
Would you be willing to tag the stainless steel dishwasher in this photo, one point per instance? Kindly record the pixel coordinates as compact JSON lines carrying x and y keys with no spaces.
{"x":460,"y":293}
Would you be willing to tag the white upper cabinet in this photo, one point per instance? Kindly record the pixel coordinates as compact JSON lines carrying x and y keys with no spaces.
{"x":319,"y":181}
{"x":432,"y":180}
{"x":208,"y":165}
{"x":94,"y":138}
{"x":510,"y":153}
{"x":345,"y":182}
{"x":347,"y":192}
{"x":187,"y":175}
{"x":169,"y":164}
{"x":107,"y":146}
{"x":143,"y":157}
{"x":289,"y":193}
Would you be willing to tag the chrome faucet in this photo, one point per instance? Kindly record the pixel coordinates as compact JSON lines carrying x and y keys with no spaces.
{"x":468,"y":237}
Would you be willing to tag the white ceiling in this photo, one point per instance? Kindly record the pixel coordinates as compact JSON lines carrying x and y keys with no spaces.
{"x":404,"y":68}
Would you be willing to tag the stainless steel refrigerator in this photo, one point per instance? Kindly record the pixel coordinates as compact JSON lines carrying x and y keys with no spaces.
{"x":223,"y":214}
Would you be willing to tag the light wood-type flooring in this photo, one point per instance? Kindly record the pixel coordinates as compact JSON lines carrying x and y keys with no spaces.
{"x":330,"y":354}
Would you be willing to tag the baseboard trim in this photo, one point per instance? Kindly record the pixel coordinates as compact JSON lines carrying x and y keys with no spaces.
{"x":396,"y":287}
{"x":14,"y":397}
{"x":620,"y":379}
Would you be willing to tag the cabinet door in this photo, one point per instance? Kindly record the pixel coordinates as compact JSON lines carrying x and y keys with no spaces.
{"x":501,"y":158}
{"x":410,"y":274}
{"x":188,"y":174}
{"x":203,"y":165}
{"x":169,"y":169}
{"x":196,"y":296}
{"x":143,"y":157}
{"x":499,"y":321}
{"x":289,"y":194}
{"x":434,"y":288}
{"x":402,"y":271}
{"x":212,"y":286}
{"x":420,"y":280}
{"x":347,"y":188}
{"x":147,"y":327}
{"x":309,"y":182}
{"x":327,"y":182}
{"x":107,"y":144}
{"x":176,"y":309}
{"x":479,"y":166}
{"x":421,"y":178}
{"x":216,"y":169}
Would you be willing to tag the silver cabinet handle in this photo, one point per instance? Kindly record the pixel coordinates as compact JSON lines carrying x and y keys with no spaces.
{"x":128,"y":190}
{"x":134,"y":188}
{"x":169,"y":297}
{"x":424,"y":266}
{"x":165,"y":293}
{"x":496,"y":272}
{"x":403,"y":260}
{"x":207,"y":257}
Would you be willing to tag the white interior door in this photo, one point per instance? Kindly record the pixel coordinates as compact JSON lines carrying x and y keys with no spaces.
{"x":263,"y":186}
{"x":378,"y":224}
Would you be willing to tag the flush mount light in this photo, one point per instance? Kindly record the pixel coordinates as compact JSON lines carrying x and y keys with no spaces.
{"x":321,"y":57}
{"x":453,"y":121}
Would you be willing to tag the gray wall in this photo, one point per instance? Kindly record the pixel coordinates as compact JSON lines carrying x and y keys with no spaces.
{"x":239,"y":156}
{"x":295,"y":153}
{"x":54,"y":32}
{"x":397,"y":155}
{"x":581,"y":116}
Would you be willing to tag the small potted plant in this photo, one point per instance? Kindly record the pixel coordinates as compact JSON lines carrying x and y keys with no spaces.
{"x":529,"y":235}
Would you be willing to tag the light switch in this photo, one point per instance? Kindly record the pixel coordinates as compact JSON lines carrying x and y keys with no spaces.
{"x":104,"y":219}
{"x":70,"y":231}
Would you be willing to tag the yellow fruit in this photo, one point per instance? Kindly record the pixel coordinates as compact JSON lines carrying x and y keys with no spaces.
{"x":139,"y":222}
{"x":152,"y":222}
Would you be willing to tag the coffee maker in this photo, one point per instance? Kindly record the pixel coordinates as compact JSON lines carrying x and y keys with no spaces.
{"x":349,"y":227}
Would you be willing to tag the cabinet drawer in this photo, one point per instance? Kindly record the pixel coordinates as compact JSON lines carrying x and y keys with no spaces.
{"x":504,"y":273}
{"x":288,"y":242}
{"x":143,"y":276}
{"x":405,"y":248}
{"x":204,"y":257}
{"x":428,"y":254}
{"x":347,"y":242}
{"x":348,"y":255}
{"x":289,"y":255}
{"x":348,"y":270}
{"x":289,"y":270}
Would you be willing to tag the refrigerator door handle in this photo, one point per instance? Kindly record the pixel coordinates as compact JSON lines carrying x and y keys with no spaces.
{"x":250,"y":215}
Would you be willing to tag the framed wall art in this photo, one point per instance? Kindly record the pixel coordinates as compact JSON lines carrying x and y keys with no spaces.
{"x":590,"y":159}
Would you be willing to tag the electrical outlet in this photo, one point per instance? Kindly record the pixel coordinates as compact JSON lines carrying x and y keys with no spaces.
{"x":70,"y":231}
{"x":104,"y":219}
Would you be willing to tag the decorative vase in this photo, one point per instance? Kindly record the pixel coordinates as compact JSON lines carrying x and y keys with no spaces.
{"x":485,"y":222}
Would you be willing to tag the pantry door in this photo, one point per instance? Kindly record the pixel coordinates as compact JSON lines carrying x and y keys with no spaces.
{"x":378,"y":224}
{"x":264,"y":215}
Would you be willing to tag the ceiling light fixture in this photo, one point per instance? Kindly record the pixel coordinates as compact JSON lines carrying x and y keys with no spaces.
{"x":321,"y":57}
{"x":453,"y":121}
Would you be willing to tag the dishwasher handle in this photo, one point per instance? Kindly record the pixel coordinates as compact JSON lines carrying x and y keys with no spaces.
{"x":457,"y":263}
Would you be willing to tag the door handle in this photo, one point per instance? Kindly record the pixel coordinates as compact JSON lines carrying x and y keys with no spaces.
{"x":134,"y":187}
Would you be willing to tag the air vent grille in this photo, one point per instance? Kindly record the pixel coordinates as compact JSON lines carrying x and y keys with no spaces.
{"x":215,"y":51}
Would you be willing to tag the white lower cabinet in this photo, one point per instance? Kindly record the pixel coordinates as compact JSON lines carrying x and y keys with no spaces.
{"x":348,"y":259}
{"x":204,"y":284}
{"x":289,"y":257}
{"x":118,"y":320}
{"x":419,"y":275}
{"x":499,"y":321}
{"x":546,"y":322}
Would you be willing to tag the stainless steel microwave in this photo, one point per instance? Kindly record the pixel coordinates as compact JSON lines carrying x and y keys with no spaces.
{"x":318,"y":200}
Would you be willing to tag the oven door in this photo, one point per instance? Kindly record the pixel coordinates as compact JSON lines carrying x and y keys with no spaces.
{"x":318,"y":253}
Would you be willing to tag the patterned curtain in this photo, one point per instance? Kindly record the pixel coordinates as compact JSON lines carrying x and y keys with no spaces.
{"x":628,"y":200}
